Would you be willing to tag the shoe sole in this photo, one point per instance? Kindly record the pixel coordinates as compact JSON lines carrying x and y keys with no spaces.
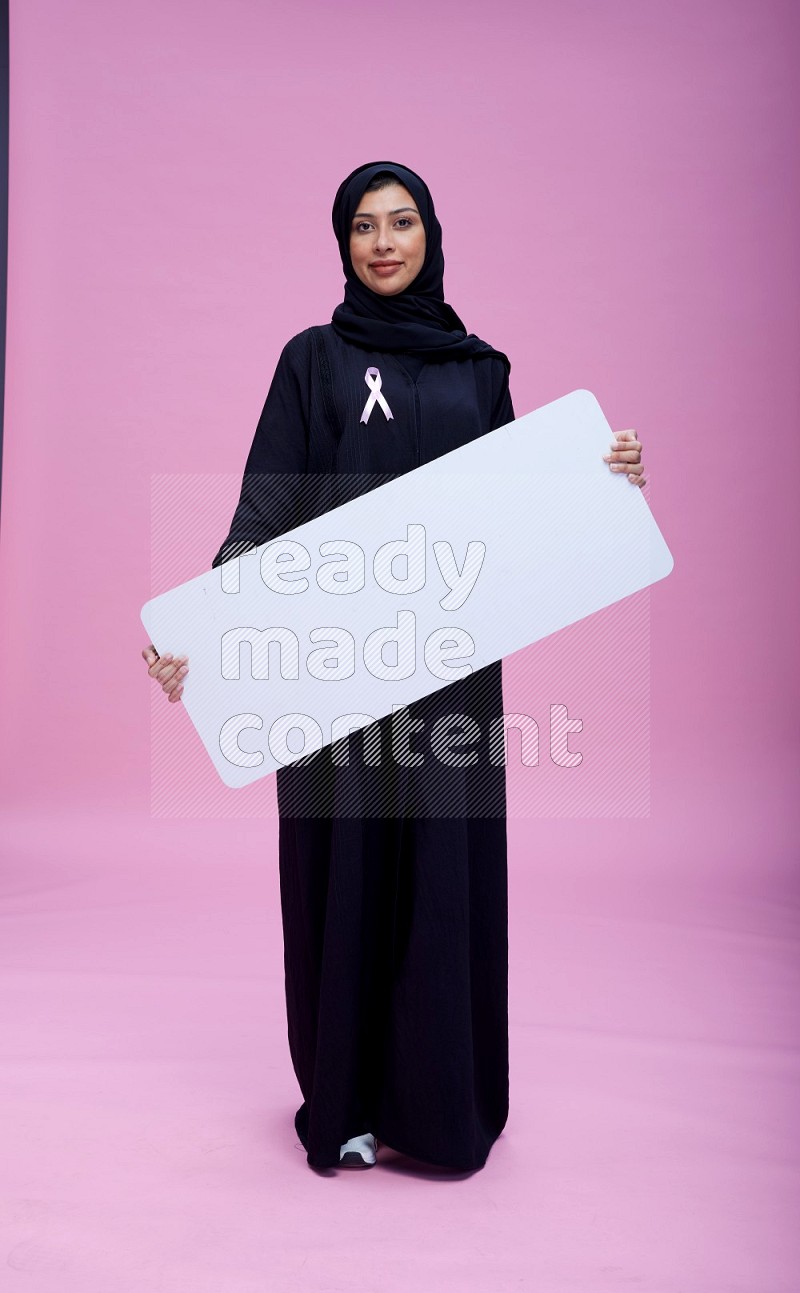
{"x":353,"y":1159}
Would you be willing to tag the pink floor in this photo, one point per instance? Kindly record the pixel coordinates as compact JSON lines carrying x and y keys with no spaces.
{"x":148,"y":1093}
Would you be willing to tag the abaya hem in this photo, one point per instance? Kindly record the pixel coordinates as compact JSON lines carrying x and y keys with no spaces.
{"x":325,"y":1160}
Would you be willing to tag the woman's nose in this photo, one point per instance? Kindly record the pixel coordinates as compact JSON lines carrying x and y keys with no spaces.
{"x":383,"y":240}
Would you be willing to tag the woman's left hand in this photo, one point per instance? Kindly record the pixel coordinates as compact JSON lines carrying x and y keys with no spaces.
{"x":626,"y":455}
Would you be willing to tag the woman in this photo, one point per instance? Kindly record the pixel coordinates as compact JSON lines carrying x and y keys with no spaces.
{"x":393,"y":877}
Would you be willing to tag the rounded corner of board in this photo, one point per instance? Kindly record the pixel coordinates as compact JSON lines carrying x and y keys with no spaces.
{"x":585,"y":396}
{"x":233,"y":783}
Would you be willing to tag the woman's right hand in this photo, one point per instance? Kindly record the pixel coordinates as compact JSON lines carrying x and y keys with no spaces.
{"x":167,"y":670}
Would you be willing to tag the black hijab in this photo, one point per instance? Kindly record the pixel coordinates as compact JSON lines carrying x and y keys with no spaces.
{"x":417,"y":320}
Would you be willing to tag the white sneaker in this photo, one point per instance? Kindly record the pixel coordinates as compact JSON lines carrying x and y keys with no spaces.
{"x":359,"y":1151}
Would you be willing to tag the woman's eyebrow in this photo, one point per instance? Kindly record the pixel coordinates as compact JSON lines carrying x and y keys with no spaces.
{"x":396,"y":211}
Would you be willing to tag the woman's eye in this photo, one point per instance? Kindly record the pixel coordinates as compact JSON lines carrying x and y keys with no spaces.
{"x":365,"y":224}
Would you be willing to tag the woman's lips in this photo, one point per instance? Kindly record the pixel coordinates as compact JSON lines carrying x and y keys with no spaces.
{"x":385,"y":270}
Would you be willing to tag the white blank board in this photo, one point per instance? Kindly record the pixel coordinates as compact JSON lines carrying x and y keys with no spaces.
{"x":503,"y":541}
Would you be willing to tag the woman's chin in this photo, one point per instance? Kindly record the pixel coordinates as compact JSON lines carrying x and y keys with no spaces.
{"x":387,"y":286}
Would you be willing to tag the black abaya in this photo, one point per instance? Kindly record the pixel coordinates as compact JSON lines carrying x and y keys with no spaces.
{"x":393,"y":883}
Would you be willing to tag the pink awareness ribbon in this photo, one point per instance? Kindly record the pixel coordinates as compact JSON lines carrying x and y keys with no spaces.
{"x":374,"y":381}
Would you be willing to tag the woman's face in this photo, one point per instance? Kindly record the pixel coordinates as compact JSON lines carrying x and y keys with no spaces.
{"x":387,"y":240}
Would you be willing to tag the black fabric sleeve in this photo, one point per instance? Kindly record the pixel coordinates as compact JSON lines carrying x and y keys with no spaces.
{"x":502,"y":407}
{"x":273,"y":485}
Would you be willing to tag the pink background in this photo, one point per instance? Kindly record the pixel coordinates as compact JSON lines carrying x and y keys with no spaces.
{"x":618,"y":189}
